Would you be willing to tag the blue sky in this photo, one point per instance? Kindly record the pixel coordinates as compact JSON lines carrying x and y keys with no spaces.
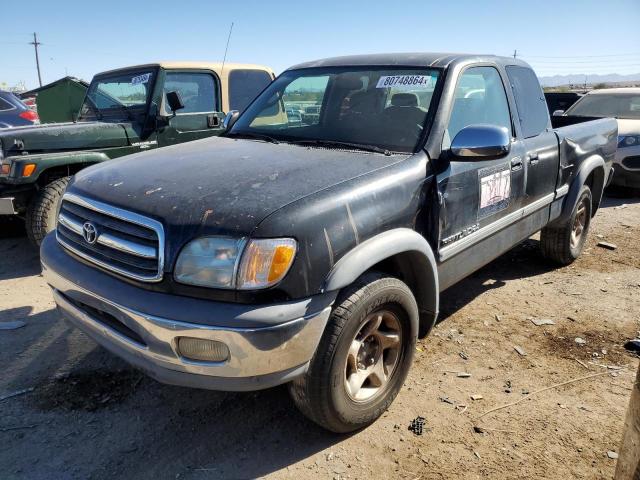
{"x":82,"y":38}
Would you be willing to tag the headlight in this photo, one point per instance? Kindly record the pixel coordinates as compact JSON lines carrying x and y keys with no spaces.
{"x":209,"y":262}
{"x":223,"y":262}
{"x":628,"y":141}
{"x":265,"y":262}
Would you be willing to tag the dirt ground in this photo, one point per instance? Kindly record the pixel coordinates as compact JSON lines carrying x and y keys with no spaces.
{"x":86,"y":414}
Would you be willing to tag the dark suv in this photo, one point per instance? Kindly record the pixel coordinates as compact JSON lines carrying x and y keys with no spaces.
{"x":14,"y":113}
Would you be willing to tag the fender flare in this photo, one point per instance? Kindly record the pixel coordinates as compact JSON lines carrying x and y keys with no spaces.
{"x":419,"y":261}
{"x":588,"y":166}
{"x":48,"y":161}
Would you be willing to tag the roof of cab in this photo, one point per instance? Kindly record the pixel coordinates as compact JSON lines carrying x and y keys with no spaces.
{"x":426,"y":59}
{"x":214,"y":66}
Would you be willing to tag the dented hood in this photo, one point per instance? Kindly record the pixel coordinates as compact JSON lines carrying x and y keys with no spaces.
{"x":220,"y":186}
{"x":64,"y":136}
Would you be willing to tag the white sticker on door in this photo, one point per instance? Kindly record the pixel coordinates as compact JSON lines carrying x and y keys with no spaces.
{"x":495,"y":189}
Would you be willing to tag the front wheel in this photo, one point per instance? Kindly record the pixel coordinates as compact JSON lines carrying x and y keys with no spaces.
{"x":42,"y":213}
{"x":563,"y":243}
{"x":363,"y":357}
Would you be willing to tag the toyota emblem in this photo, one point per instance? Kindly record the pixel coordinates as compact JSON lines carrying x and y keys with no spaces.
{"x":89,"y":233}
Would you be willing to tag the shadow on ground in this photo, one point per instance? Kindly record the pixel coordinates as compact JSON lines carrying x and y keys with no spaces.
{"x":18,"y":257}
{"x":523,"y":261}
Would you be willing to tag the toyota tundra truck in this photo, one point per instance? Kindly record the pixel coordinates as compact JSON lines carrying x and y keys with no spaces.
{"x":124,"y":111}
{"x":314,"y":252}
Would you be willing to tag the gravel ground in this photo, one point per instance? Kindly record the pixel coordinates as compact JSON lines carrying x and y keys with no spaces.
{"x":86,"y":414}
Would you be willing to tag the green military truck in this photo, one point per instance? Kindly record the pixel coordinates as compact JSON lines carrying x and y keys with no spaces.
{"x":124,"y":111}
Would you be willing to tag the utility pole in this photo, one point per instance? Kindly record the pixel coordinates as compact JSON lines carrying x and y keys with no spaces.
{"x":35,"y":44}
{"x":515,"y":53}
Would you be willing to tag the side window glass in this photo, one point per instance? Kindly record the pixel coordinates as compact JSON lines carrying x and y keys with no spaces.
{"x":244,"y":86}
{"x":197,"y":90}
{"x":530,"y":101}
{"x":479,"y":98}
{"x":4,"y":105}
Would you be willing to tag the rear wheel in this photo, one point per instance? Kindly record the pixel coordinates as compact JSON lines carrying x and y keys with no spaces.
{"x":563,"y":243}
{"x":363,"y":357}
{"x":42,"y":213}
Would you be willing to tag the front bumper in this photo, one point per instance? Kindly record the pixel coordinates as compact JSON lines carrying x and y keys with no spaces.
{"x":627,"y":165}
{"x":275,"y":346}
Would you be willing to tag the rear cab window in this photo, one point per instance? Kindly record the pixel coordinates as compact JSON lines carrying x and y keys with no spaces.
{"x":245,"y":85}
{"x":198,"y":91}
{"x":533,"y":114}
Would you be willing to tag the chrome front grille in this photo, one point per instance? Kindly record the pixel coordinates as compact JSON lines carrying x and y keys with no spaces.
{"x":117,"y":240}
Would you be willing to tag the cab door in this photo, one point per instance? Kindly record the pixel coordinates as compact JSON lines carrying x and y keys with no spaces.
{"x":478,"y":197}
{"x":202,"y":113}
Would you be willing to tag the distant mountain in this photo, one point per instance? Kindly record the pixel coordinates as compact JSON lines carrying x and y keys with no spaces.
{"x":579,"y":79}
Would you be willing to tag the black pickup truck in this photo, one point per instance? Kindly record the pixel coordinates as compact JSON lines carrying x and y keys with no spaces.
{"x":313,"y":251}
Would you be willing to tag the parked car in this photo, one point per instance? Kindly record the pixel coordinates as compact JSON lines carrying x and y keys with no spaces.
{"x":14,"y":113}
{"x":561,"y":100}
{"x":311,"y":114}
{"x":125,"y":111}
{"x":315,"y":255}
{"x":293,"y":116}
{"x":624,"y":105}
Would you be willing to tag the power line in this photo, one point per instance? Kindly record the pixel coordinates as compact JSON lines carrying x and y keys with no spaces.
{"x":587,"y":62}
{"x":586,"y":56}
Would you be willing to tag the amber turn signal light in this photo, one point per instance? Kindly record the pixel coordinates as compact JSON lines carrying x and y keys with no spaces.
{"x":28,"y":169}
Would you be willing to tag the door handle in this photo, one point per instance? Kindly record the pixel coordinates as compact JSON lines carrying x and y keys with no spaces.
{"x":533,"y":158}
{"x":213,"y":121}
{"x":516,"y":163}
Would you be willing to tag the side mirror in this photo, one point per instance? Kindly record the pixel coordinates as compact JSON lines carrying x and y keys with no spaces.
{"x":558,"y":113}
{"x":229,"y":119}
{"x":481,"y":141}
{"x":174,"y":101}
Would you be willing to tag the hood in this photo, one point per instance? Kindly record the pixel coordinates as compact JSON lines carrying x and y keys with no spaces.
{"x":220,"y":186}
{"x":64,"y":136}
{"x":628,"y":127}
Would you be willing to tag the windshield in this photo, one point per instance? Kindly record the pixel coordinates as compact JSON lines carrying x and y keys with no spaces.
{"x":379,"y":108}
{"x":615,"y":105}
{"x":118,"y":97}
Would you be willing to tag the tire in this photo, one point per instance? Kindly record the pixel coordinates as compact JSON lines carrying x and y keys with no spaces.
{"x":42,"y":212}
{"x":323,"y":394}
{"x":558,"y":243}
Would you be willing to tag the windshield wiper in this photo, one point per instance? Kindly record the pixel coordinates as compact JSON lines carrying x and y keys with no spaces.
{"x":338,"y":144}
{"x":251,"y":135}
